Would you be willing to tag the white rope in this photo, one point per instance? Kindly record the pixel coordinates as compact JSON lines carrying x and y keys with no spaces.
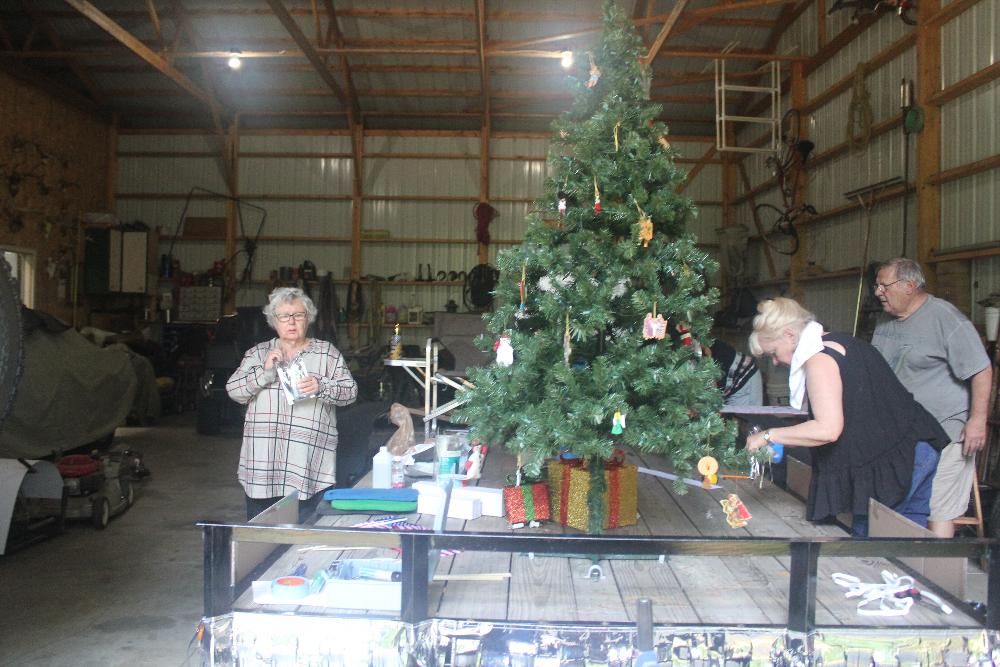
{"x":895,"y":595}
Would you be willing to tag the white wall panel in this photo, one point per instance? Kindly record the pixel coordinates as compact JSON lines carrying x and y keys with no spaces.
{"x":420,"y":219}
{"x":833,"y":302}
{"x":800,"y":38}
{"x":295,"y":175}
{"x":266,"y":143}
{"x":169,"y":143}
{"x":449,"y":178}
{"x":866,"y":46}
{"x":970,"y":126}
{"x":969,"y":210}
{"x":971,"y":41}
{"x":171,"y":175}
{"x":300,"y":218}
{"x":517,"y":178}
{"x":399,"y":144}
{"x":518,"y":146}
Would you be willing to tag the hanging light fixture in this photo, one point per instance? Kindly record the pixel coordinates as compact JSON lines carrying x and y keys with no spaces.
{"x":566,"y":59}
{"x":234,"y":61}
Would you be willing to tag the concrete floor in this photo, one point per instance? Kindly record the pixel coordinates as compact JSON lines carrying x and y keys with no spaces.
{"x":131,"y":594}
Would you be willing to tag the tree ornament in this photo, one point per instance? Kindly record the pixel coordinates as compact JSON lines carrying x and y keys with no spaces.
{"x":684,"y":329}
{"x":663,"y":142}
{"x":737,"y":514}
{"x":645,"y":227}
{"x":521,"y":310}
{"x":618,"y":126}
{"x":654,"y":326}
{"x":617,"y":423}
{"x":597,"y":197}
{"x":708,"y":466}
{"x":562,"y":203}
{"x":595,"y":72}
{"x":567,"y":342}
{"x":505,"y":353}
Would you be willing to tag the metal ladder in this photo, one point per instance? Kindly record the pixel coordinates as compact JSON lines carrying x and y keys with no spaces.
{"x":722,"y":119}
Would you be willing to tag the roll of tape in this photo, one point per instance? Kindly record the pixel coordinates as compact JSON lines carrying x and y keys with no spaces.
{"x":290,"y":588}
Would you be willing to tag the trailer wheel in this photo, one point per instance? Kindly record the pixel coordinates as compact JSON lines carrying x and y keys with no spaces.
{"x":128,"y":491}
{"x":101,"y":513}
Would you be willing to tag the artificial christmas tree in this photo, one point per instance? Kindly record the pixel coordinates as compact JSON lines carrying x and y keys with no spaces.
{"x":605,"y":250}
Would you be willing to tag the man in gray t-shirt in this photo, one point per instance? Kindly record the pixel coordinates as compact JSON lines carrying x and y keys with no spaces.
{"x":937,"y":354}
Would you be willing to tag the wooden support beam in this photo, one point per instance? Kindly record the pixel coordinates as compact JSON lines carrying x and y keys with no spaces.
{"x":154,"y":18}
{"x":970,"y":169}
{"x":345,"y":66}
{"x":950,"y":11}
{"x":968,"y":84}
{"x":883,"y":57}
{"x":141,"y":50}
{"x":671,"y":21}
{"x":484,"y":70}
{"x":821,"y":37}
{"x":182,"y":22}
{"x":55,"y":40}
{"x":697,"y":169}
{"x":929,"y":139}
{"x":797,"y":264}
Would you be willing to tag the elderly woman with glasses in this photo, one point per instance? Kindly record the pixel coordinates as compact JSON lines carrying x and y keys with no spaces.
{"x":290,"y":433}
{"x":869,"y":437}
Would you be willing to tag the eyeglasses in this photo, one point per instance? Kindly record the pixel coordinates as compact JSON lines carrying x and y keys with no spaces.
{"x":284,"y":317}
{"x":885,"y":286}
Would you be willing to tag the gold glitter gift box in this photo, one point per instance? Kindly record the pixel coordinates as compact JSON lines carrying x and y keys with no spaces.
{"x":569,"y":483}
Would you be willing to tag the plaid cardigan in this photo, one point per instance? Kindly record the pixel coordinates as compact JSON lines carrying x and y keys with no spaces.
{"x":290,"y":447}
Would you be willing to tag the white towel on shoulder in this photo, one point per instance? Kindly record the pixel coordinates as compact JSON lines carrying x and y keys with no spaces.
{"x":810,"y":343}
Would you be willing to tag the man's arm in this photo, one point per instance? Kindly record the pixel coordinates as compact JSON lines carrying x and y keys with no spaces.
{"x":974,"y":433}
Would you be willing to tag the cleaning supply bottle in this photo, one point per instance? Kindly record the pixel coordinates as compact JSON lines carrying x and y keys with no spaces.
{"x":397,"y":474}
{"x":382,"y":469}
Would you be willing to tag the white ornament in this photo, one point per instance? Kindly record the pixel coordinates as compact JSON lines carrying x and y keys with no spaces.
{"x":546,"y":284}
{"x":505,"y":353}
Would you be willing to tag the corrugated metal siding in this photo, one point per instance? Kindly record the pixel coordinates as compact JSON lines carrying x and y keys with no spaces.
{"x":985,"y":281}
{"x":969,"y":210}
{"x":800,"y":38}
{"x":424,"y":177}
{"x":970,"y":42}
{"x":833,"y":302}
{"x":295,"y":176}
{"x":169,"y":174}
{"x":861,"y":49}
{"x":970,"y":126}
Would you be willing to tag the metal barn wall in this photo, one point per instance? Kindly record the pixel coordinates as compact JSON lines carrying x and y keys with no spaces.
{"x":970,"y":132}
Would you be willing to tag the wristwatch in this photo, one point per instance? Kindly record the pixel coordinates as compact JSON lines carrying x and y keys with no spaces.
{"x":767,"y":436}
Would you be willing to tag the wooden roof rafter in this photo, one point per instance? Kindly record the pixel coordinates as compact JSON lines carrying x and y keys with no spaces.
{"x":136,"y":46}
{"x":335,"y":36}
{"x":668,"y":26}
{"x":81,"y":73}
{"x":154,"y":18}
{"x":184,"y":25}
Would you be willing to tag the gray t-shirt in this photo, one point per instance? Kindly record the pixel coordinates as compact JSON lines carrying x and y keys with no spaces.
{"x":934,"y":352}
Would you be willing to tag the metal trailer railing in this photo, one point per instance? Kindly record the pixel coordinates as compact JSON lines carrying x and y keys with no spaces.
{"x":220,"y":591}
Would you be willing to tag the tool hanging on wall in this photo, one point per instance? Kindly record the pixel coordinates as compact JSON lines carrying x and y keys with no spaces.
{"x":484,"y":214}
{"x":859,"y":112}
{"x":872,"y":192}
{"x":913,"y":123}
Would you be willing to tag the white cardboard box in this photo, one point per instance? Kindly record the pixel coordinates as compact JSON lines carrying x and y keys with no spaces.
{"x":338,"y":593}
{"x":491,"y":499}
{"x":431,"y":501}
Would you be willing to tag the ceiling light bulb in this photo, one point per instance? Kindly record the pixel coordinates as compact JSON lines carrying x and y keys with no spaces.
{"x":566,"y":58}
{"x":234,"y":61}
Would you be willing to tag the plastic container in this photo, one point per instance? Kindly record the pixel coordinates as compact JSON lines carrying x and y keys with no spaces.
{"x":382,"y":469}
{"x":398,"y":473}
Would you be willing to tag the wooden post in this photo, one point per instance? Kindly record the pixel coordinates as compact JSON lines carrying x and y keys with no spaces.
{"x":357,"y":201}
{"x":231,"y":164}
{"x":111,"y":192}
{"x":797,"y":264}
{"x":484,"y":179}
{"x":928,"y":140}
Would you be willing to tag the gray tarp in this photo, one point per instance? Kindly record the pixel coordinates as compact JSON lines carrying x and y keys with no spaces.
{"x":71,"y":393}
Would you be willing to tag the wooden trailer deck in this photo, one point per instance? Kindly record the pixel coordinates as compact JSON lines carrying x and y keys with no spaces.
{"x":685,"y":589}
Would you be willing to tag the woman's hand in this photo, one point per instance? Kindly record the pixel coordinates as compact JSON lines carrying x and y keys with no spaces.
{"x":273,"y":357}
{"x":756,"y":441}
{"x":309,"y":385}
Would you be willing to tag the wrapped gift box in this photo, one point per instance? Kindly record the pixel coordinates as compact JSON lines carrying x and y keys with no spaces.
{"x":526,"y":502}
{"x":569,"y":483}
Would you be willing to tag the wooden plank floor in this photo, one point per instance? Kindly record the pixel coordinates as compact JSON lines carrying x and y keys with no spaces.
{"x":723,"y":590}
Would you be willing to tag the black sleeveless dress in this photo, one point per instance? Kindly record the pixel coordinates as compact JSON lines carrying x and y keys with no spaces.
{"x":873,"y":458}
